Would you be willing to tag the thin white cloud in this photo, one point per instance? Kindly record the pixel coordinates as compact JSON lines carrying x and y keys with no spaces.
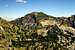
{"x":21,"y":1}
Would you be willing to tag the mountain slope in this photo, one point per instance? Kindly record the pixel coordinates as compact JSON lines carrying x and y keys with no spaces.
{"x":38,"y":29}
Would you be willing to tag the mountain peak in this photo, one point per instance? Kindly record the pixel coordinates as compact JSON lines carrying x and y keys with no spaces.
{"x":36,"y":13}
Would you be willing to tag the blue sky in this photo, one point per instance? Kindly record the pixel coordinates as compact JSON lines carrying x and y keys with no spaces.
{"x":12,"y":9}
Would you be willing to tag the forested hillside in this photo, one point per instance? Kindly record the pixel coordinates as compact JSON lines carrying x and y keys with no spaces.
{"x":38,"y":31}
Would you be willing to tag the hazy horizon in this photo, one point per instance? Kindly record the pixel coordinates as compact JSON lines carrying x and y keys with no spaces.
{"x":12,"y":9}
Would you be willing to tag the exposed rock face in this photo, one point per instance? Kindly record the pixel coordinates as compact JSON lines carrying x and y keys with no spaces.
{"x":47,"y":22}
{"x":29,"y":21}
